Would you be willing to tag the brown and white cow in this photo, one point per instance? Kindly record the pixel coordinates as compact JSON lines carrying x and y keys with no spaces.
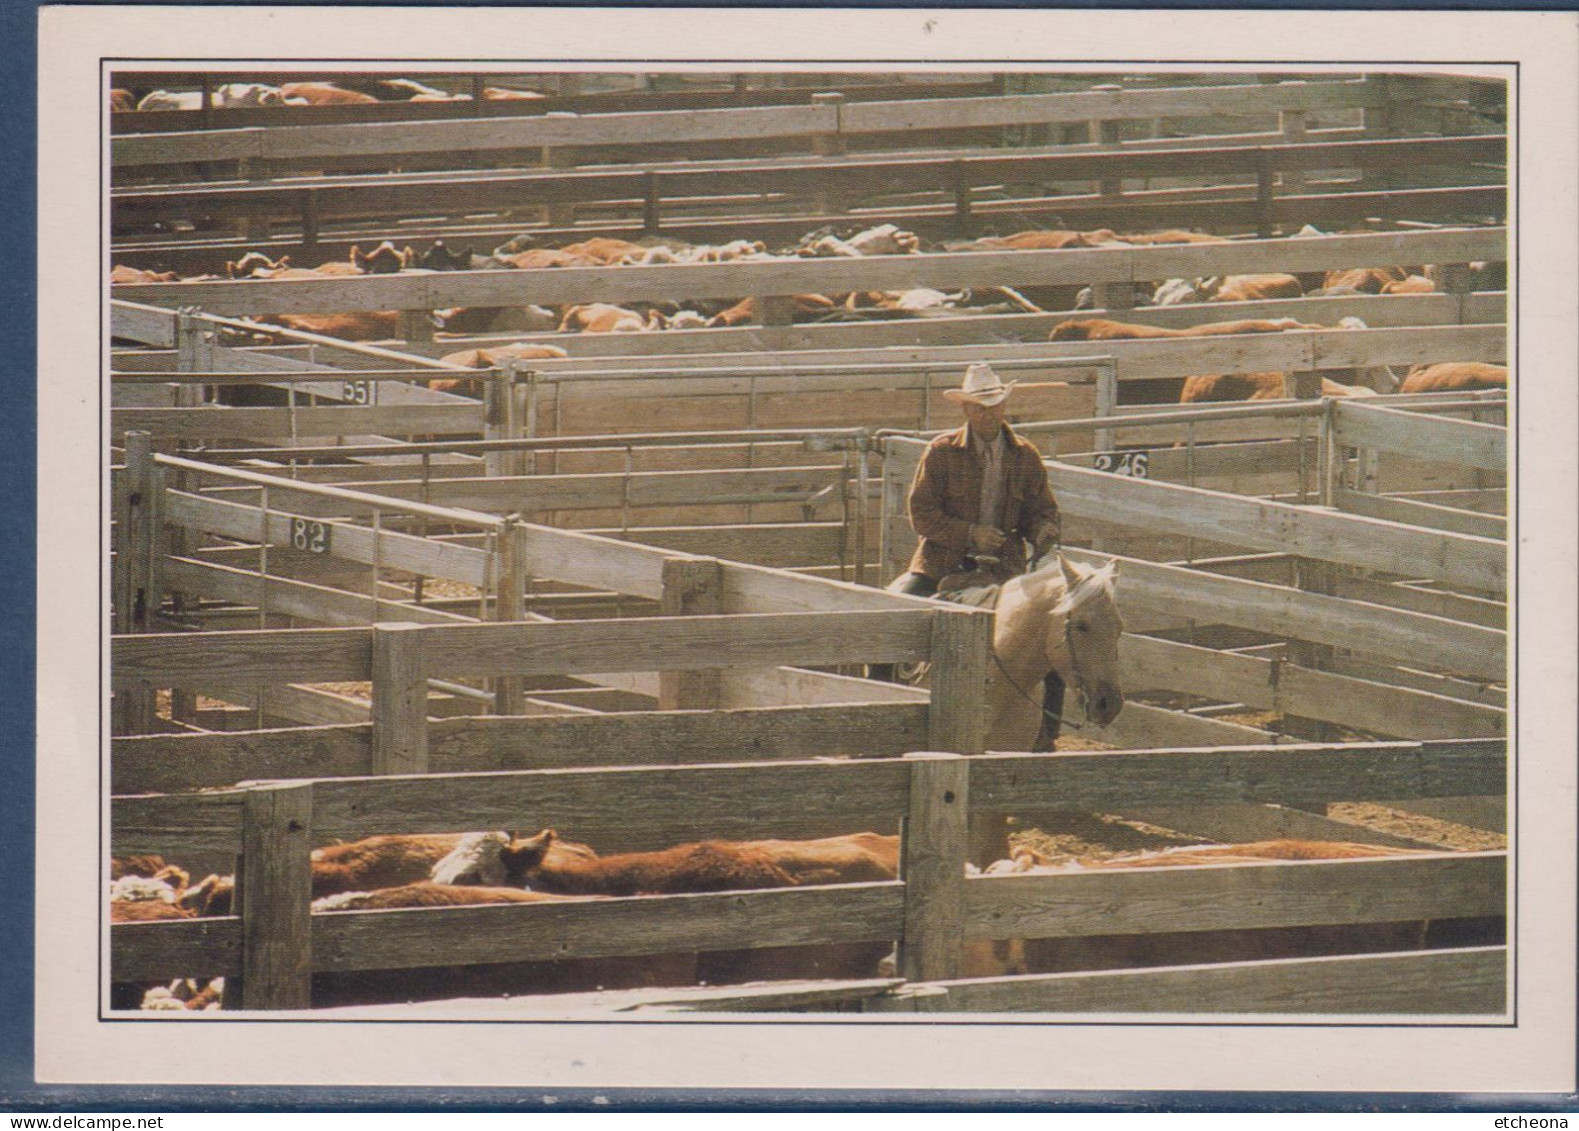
{"x":324,"y":94}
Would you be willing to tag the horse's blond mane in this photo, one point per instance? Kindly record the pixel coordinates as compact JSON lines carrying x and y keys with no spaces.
{"x":1091,"y":582}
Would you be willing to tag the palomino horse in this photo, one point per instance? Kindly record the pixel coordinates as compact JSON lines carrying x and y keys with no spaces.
{"x":1060,"y":617}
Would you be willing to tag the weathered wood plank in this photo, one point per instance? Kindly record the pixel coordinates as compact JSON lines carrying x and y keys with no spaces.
{"x":304,"y":706}
{"x":774,"y":997}
{"x":673,"y":737}
{"x":598,"y":928}
{"x":370,"y":138}
{"x":1422,"y":514}
{"x":226,"y":423}
{"x":678,"y":643}
{"x":286,"y":597}
{"x":758,"y":589}
{"x":1407,"y":637}
{"x":1453,"y":982}
{"x":170,"y":763}
{"x":375,"y":138}
{"x":174,"y":824}
{"x":1165,"y":665}
{"x":1418,"y":599}
{"x":1418,"y":434}
{"x":793,"y":687}
{"x":303,"y":655}
{"x":606,"y":490}
{"x":1476,"y":812}
{"x":1491,"y":692}
{"x":1292,"y":774}
{"x":1242,"y":824}
{"x":242,"y":521}
{"x":1140,"y":726}
{"x":650,"y":807}
{"x":155,"y":952}
{"x":1220,"y":897}
{"x":402,"y":194}
{"x":1479,"y":563}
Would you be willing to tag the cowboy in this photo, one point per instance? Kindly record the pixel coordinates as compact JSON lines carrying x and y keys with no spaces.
{"x":980,"y":497}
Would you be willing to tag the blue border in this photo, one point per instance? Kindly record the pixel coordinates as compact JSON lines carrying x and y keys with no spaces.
{"x":18,"y":428}
{"x":18,"y":463}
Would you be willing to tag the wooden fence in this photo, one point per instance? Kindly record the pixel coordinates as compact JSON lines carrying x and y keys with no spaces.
{"x":782,"y":277}
{"x":276,"y":943}
{"x":314,"y":205}
{"x":745,"y":124}
{"x":648,"y":93}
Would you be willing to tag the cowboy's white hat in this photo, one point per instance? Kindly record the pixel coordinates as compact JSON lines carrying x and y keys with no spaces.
{"x":981,"y":386}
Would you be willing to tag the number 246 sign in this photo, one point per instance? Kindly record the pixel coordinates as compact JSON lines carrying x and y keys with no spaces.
{"x":1136,"y":465}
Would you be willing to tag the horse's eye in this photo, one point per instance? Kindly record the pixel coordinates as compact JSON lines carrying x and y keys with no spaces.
{"x":1082,"y":626}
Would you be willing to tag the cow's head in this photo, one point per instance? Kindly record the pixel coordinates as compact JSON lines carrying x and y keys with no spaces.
{"x":526,"y":859}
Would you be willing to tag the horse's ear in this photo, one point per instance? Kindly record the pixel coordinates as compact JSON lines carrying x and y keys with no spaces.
{"x":1074,"y":572}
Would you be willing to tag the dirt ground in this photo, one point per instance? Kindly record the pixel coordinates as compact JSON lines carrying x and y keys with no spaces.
{"x":1103,"y":835}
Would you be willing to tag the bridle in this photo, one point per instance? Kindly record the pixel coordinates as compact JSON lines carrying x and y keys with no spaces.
{"x":1069,"y":649}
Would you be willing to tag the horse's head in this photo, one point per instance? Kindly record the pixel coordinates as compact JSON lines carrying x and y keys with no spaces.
{"x":1085,"y":628}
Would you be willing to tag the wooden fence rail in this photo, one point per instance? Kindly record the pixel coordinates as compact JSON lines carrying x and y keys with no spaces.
{"x":314,"y":204}
{"x":276,"y":943}
{"x":783,"y":277}
{"x":670,"y":127}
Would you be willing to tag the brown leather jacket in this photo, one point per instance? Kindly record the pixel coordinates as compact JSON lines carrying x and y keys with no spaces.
{"x":946,"y":496}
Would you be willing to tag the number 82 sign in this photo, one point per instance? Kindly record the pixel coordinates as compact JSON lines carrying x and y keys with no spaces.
{"x":310,"y":535}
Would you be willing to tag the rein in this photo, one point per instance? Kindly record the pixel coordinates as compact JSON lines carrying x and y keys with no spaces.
{"x":1037,"y":703}
{"x":1035,"y":565}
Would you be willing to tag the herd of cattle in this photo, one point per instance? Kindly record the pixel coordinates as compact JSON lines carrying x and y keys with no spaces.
{"x":526,"y":252}
{"x":344,"y":92}
{"x":471,"y":869}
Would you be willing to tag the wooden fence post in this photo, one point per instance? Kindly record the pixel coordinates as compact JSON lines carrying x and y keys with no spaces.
{"x":959,"y":183}
{"x":510,"y":605}
{"x":1291,"y":123}
{"x":560,"y":214}
{"x":932,"y":866}
{"x":400,"y":700}
{"x":830,"y":144}
{"x":691,"y":587}
{"x":651,"y":204}
{"x":415,"y":326}
{"x":775,"y":310}
{"x":139,"y":567}
{"x":1106,"y":133}
{"x":274,"y":898}
{"x":899,"y":468}
{"x":500,"y":419}
{"x":957,"y":712}
{"x":1264,"y":178}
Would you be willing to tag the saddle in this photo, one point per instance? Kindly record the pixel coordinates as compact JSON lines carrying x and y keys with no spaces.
{"x":977,"y":585}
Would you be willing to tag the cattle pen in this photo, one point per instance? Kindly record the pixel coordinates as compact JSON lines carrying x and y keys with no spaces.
{"x":629,"y":585}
